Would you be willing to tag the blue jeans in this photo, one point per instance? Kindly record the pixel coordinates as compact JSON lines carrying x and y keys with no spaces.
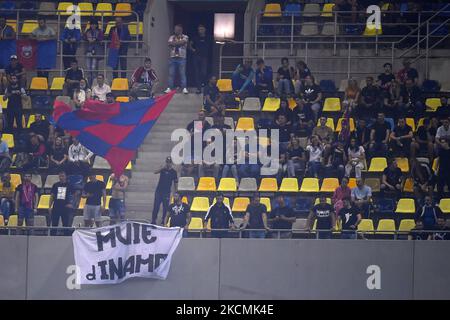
{"x":260,"y":234}
{"x":117,"y":209}
{"x":314,"y":167}
{"x":177,"y":65}
{"x":324,"y":234}
{"x":6,"y":207}
{"x":26,"y":213}
{"x":348,"y":235}
{"x":284,"y":86}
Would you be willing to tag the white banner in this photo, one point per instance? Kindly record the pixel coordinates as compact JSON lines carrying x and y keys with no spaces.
{"x":112,"y":254}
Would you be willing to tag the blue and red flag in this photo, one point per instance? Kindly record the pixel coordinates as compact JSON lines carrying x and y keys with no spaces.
{"x":112,"y":131}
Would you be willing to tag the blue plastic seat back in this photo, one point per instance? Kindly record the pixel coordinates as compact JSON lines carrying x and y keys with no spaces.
{"x":292,"y":9}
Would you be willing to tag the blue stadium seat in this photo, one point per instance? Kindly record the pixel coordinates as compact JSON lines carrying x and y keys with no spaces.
{"x":266,"y":30}
{"x":386,"y":206}
{"x":391,"y":122}
{"x":302,"y":205}
{"x":431,"y":86}
{"x":264,"y":123}
{"x":352,"y":29}
{"x":403,"y":7}
{"x":292,"y":9}
{"x":327,"y":85}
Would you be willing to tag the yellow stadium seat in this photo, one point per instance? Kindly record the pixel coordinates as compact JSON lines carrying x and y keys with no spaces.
{"x":268,"y":185}
{"x":3,"y":103}
{"x":196,"y":223}
{"x":123,"y":10}
{"x":272,"y":10}
{"x":39,"y":83}
{"x":122,"y":99}
{"x":332,"y":105}
{"x":310,"y":185}
{"x":330,"y":123}
{"x":57,"y":83}
{"x":366,"y":226}
{"x":120,"y":84}
{"x":378,"y":165}
{"x":405,"y":205}
{"x":371,"y":31}
{"x":133,"y":28}
{"x":240,"y":204}
{"x":183,"y":200}
{"x":317,"y":201}
{"x":406,"y":225}
{"x":329,"y":185}
{"x":44,"y":201}
{"x":9,"y":139}
{"x":227,"y":184}
{"x":82,"y":203}
{"x":13,"y":221}
{"x":109,"y":183}
{"x":12,"y":24}
{"x":289,"y":185}
{"x":435,"y":166}
{"x":28,"y":26}
{"x":200,"y":204}
{"x":224,"y":85}
{"x":100,"y":177}
{"x":433,"y":104}
{"x":271,"y":104}
{"x":351,"y":122}
{"x":63,"y":7}
{"x":263,"y":141}
{"x":207,"y":184}
{"x":444,"y":204}
{"x":226,"y":201}
{"x":352,"y":183}
{"x":266,"y":201}
{"x":386,"y":226}
{"x":409,"y":185}
{"x":403,"y":164}
{"x":109,"y":26}
{"x":86,"y":9}
{"x":245,"y":124}
{"x":385,"y":6}
{"x":2,"y":221}
{"x":16,"y":179}
{"x":108,"y":199}
{"x":32,"y":119}
{"x":327,"y":10}
{"x":292,"y":104}
{"x":104,"y":9}
{"x":411,"y":122}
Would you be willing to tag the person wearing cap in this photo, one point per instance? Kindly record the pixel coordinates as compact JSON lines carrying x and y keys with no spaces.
{"x":110,"y":98}
{"x":167,"y":176}
{"x":16,"y":68}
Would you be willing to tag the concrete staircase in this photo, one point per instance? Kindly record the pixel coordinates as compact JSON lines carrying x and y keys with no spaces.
{"x":152,"y":153}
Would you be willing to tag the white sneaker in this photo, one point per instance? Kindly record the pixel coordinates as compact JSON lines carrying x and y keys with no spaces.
{"x":185,"y":91}
{"x":167,"y":90}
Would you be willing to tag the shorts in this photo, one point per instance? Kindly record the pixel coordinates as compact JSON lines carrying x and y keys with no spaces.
{"x":117,"y":208}
{"x":26,"y":213}
{"x":92,"y":213}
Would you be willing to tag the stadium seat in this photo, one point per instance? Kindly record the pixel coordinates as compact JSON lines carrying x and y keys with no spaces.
{"x":409,"y":185}
{"x":327,"y":10}
{"x":444,"y":204}
{"x":328,"y":29}
{"x":386,"y":206}
{"x":104,"y":9}
{"x":183,"y":200}
{"x":266,"y":201}
{"x":37,"y":180}
{"x":122,"y":99}
{"x":50,"y":181}
{"x":403,"y":164}
{"x":373,"y":183}
{"x":272,"y":10}
{"x":317,"y":201}
{"x":366,"y":226}
{"x":411,"y":122}
{"x":86,"y":9}
{"x":406,"y":225}
{"x":227,"y":184}
{"x":44,"y":201}
{"x":330,"y":123}
{"x":200,"y":204}
{"x":299,"y":224}
{"x":186,"y":184}
{"x":40,"y":221}
{"x":63,"y":7}
{"x":371,"y":31}
{"x":352,"y":183}
{"x":433,"y":104}
{"x":332,"y":105}
{"x":245,"y":124}
{"x":3,"y":103}
{"x":264,"y":141}
{"x":196,"y":224}
{"x":39,"y":83}
{"x":226,"y":201}
{"x":405,"y":205}
{"x":101,"y":163}
{"x":435,"y":165}
{"x":120,"y":84}
{"x":207,"y":184}
{"x":78,"y":222}
{"x":252,"y":104}
{"x":123,"y":10}
{"x":386,"y":226}
{"x":248,"y":185}
{"x":378,"y":165}
{"x":109,"y":26}
{"x":268,"y":185}
{"x":16,"y":179}
{"x":309,"y":29}
{"x":224,"y":85}
{"x":271,"y":104}
{"x":136,"y":30}
{"x":57,"y":84}
{"x":351,"y":122}
{"x":100,"y":178}
{"x":240,"y":204}
{"x":329,"y":185}
{"x":82,"y":204}
{"x":311,"y":10}
{"x":289,"y":185}
{"x":310,"y":185}
{"x":9,"y":139}
{"x":292,"y":9}
{"x":32,"y":119}
{"x":13,"y":221}
{"x":2,"y":221}
{"x":292,"y":104}
{"x":47,"y":8}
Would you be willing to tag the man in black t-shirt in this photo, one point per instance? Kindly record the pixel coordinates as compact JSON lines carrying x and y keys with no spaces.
{"x":311,"y":95}
{"x":369,"y":104}
{"x":256,"y":218}
{"x":200,"y":46}
{"x":212,"y":98}
{"x":385,"y":78}
{"x":40,"y":126}
{"x":284,"y":78}
{"x":379,"y":136}
{"x":443,"y":174}
{"x":73,"y":78}
{"x":221,"y":218}
{"x":401,"y":138}
{"x":167,"y":176}
{"x":95,"y":193}
{"x":324,"y":214}
{"x":16,"y":68}
{"x":282,"y":217}
{"x":178,"y":214}
{"x":61,"y":205}
{"x":412,"y":100}
{"x":14,"y":93}
{"x":350,"y":217}
{"x":303,"y":111}
{"x":391,"y":180}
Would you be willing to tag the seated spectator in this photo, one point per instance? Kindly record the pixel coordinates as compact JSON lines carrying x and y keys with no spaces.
{"x":401,"y":138}
{"x":314,"y":156}
{"x":362,"y":134}
{"x":341,"y":192}
{"x":101,"y":89}
{"x":73,"y":78}
{"x":301,"y":72}
{"x":369,"y":102}
{"x":58,"y":156}
{"x":263,"y":79}
{"x":144,"y":79}
{"x":26,"y":200}
{"x":362,"y":197}
{"x":296,"y":158}
{"x":230,"y":161}
{"x":110,"y":98}
{"x":429,"y":215}
{"x":337,"y":159}
{"x":212,"y":98}
{"x":326,"y":218}
{"x":284,"y":131}
{"x":345,"y":134}
{"x":250,"y":168}
{"x":302,"y":129}
{"x":283,"y":169}
{"x":16,"y":68}
{"x":41,"y":127}
{"x":209,"y":168}
{"x":242,"y":79}
{"x":281,"y":218}
{"x":407,"y":73}
{"x":443,"y":133}
{"x":286,"y":111}
{"x":411,"y":99}
{"x":325,"y":134}
{"x":443,"y":174}
{"x":79,"y":159}
{"x":70,"y":37}
{"x":303,"y":111}
{"x":7,"y":197}
{"x":285,"y":74}
{"x":356,"y":159}
{"x":14,"y":109}
{"x":351,"y":98}
{"x":43,"y":33}
{"x":379,"y":136}
{"x":81,"y":94}
{"x":94,"y":49}
{"x":423,"y":177}
{"x":349,"y":217}
{"x":393,"y":101}
{"x":256,"y":218}
{"x":38,"y":154}
{"x":386,"y":78}
{"x":444,"y":110}
{"x":311,"y":96}
{"x":392,"y":180}
{"x":5,"y":157}
{"x":423,"y":141}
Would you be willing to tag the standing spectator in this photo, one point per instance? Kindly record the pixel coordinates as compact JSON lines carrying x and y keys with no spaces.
{"x":296,"y":157}
{"x":58,"y":156}
{"x":311,"y":95}
{"x":386,"y":78}
{"x":379,"y":136}
{"x":40,"y":127}
{"x":401,"y":138}
{"x":212,"y":98}
{"x":178,"y":43}
{"x":221,"y":218}
{"x":5,"y":157}
{"x":392,"y":179}
{"x":314,"y":157}
{"x":356,"y":159}
{"x":285,"y":74}
{"x":14,"y":93}
{"x":429,"y":215}
{"x":282,"y":217}
{"x":16,"y":68}
{"x":369,"y":102}
{"x":43,"y":33}
{"x":73,"y":78}
{"x":94,"y":48}
{"x":350,"y":217}
{"x":393,"y":100}
{"x":256,"y":218}
{"x":178,"y":214}
{"x":341,"y":192}
{"x":61,"y":204}
{"x":95,"y":193}
{"x":79,"y":159}
{"x":326,"y":219}
{"x":117,"y":202}
{"x":201,"y":46}
{"x":407,"y":73}
{"x":7,"y":197}
{"x":362,"y":134}
{"x":263,"y":79}
{"x":70,"y":37}
{"x":144,"y":79}
{"x":167,"y":176}
{"x":119,"y":37}
{"x":26,"y":200}
{"x":351,"y":98}
{"x":443,"y":174}
{"x":242,"y":79}
{"x":7,"y":37}
{"x":411,"y":99}
{"x":301,"y":72}
{"x":361,"y":196}
{"x":101,"y":89}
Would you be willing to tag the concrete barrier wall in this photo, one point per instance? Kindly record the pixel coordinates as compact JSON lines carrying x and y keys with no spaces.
{"x":35,"y":268}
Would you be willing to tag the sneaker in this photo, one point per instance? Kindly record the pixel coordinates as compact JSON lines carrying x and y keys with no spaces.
{"x":167,"y":90}
{"x":185,"y":91}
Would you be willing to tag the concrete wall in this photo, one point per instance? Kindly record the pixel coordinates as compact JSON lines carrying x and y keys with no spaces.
{"x":35,"y":268}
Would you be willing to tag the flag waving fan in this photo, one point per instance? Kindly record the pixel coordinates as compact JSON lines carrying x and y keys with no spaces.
{"x":112,"y":131}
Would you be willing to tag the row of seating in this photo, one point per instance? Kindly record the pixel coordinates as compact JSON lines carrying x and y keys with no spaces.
{"x":86,"y":9}
{"x":41,"y":221}
{"x":274,"y":10}
{"x":41,"y":83}
{"x":44,"y":202}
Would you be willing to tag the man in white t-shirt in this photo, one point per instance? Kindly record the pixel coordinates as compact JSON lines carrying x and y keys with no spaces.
{"x":443,"y":132}
{"x":178,"y":43}
{"x":101,"y":88}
